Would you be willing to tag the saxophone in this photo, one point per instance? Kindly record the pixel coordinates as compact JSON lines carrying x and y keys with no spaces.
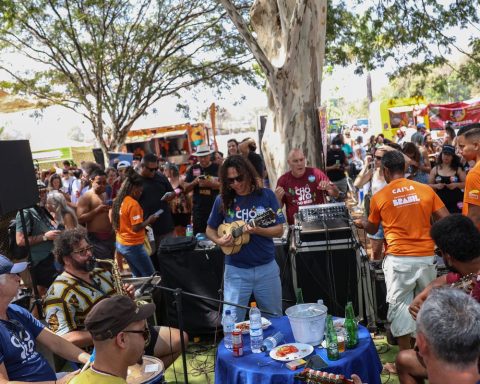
{"x":117,"y":277}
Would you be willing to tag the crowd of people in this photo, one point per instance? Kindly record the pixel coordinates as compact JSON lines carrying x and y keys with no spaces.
{"x":89,"y":220}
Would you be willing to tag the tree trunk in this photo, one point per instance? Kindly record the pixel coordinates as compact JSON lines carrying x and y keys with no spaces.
{"x":289,"y":46}
{"x":369,"y":88}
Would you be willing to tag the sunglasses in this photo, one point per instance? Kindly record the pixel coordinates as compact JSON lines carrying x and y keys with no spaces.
{"x":232,"y":180}
{"x":155,"y":169}
{"x":83,"y":251}
{"x":378,"y":158}
{"x":145,"y":333}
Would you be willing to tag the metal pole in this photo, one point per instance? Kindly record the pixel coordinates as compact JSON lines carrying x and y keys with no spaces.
{"x":178,"y":301}
{"x":36,"y":295}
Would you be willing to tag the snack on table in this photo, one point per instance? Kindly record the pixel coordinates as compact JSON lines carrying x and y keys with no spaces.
{"x":286,"y":350}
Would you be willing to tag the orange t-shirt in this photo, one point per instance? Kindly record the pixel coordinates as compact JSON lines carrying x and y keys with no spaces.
{"x":131,"y":213}
{"x":404,"y":207}
{"x":472,"y":189}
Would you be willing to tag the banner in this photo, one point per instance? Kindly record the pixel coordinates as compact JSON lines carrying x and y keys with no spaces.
{"x":460,"y":113}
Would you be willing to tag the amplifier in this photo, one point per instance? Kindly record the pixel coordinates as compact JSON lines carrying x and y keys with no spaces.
{"x":322,"y":225}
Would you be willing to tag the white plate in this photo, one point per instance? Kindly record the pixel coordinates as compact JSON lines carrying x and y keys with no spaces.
{"x":244,"y":326}
{"x":302,"y":351}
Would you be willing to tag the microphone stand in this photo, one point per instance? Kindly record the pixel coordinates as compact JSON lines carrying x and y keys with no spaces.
{"x":37,"y":301}
{"x":177,"y":294}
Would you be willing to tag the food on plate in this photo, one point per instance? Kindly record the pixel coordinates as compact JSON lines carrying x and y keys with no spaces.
{"x":245,"y":326}
{"x":286,"y":350}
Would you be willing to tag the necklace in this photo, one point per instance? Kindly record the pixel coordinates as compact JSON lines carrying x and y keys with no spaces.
{"x":102,"y":372}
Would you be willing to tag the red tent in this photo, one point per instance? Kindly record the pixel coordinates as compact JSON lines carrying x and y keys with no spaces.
{"x":459,"y":113}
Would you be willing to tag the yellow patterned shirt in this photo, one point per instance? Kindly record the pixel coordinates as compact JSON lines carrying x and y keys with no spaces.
{"x":69,"y":300}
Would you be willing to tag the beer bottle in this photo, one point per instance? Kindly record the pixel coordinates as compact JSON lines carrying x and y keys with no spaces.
{"x":351,"y":327}
{"x":332,"y":343}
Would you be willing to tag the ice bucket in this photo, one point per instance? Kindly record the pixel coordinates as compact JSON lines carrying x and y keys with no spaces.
{"x":307,"y":322}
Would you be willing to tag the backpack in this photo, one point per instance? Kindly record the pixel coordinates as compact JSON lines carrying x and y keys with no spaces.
{"x":17,"y":252}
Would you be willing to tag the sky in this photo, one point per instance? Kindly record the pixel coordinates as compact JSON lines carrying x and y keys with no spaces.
{"x":54,"y":124}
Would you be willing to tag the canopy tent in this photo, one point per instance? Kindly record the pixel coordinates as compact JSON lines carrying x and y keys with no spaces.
{"x":459,"y":113}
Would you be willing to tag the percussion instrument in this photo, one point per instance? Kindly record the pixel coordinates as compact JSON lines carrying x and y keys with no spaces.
{"x":151,"y":371}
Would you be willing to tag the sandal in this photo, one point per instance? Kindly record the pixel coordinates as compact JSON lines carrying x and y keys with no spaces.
{"x":390,"y":368}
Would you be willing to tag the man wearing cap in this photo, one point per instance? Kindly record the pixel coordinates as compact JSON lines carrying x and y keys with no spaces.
{"x":121,"y":167}
{"x":41,"y":231}
{"x":418,"y":136}
{"x":202,"y":179}
{"x":80,"y":288}
{"x":120,"y":332}
{"x":19,"y":331}
{"x":157,"y":193}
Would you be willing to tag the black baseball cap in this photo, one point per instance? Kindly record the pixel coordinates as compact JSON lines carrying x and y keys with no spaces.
{"x":6,"y":266}
{"x":113,"y":314}
{"x":448,"y":149}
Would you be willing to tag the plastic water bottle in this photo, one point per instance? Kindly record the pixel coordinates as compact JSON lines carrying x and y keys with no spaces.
{"x":228,"y":328}
{"x":256,"y":331}
{"x":271,"y":342}
{"x":189,"y":231}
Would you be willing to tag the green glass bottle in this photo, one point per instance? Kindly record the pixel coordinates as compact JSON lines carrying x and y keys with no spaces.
{"x":332,"y":342}
{"x":351,"y":327}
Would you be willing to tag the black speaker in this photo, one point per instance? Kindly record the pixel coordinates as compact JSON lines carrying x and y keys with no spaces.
{"x":198,"y":273}
{"x":18,"y":188}
{"x":328,"y":275}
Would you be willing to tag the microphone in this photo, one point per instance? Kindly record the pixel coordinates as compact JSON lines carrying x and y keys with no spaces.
{"x":147,"y":284}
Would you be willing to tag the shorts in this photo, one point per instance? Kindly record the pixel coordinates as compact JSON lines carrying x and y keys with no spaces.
{"x":405,"y":277}
{"x":150,"y":347}
{"x":103,"y":244}
{"x":380,"y":235}
{"x":45,"y":272}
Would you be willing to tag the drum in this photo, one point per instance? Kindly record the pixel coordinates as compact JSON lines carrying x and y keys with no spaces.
{"x":150,"y":372}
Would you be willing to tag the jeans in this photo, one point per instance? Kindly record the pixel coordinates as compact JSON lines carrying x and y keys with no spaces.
{"x":137,"y":259}
{"x":263,"y":281}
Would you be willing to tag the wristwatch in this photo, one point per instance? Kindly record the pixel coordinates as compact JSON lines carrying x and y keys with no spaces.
{"x":44,"y":238}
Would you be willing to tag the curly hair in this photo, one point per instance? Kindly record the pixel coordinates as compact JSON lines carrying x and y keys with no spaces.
{"x":133,"y":179}
{"x":458,"y":236}
{"x":66,"y":241}
{"x":243,"y":167}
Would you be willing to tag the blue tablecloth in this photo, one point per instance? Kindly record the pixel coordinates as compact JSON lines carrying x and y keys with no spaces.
{"x":256,"y":368}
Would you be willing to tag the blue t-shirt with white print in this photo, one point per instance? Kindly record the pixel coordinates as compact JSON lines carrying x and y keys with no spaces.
{"x":260,"y":250}
{"x":18,"y":349}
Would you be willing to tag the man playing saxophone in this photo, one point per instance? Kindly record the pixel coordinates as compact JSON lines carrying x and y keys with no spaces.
{"x":81,"y":286}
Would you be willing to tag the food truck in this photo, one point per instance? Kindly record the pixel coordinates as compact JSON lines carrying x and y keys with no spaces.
{"x":387,"y":116}
{"x":174,"y":143}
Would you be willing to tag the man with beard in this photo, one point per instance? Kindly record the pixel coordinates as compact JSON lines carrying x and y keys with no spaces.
{"x":41,"y":231}
{"x":202,"y":179}
{"x":302,"y":185}
{"x":92,"y":211}
{"x":119,"y":333}
{"x":458,"y":242}
{"x":80,"y":287}
{"x":157,"y":193}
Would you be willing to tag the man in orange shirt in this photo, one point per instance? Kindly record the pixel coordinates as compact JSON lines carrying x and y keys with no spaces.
{"x":404,"y":207}
{"x":468,"y":142}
